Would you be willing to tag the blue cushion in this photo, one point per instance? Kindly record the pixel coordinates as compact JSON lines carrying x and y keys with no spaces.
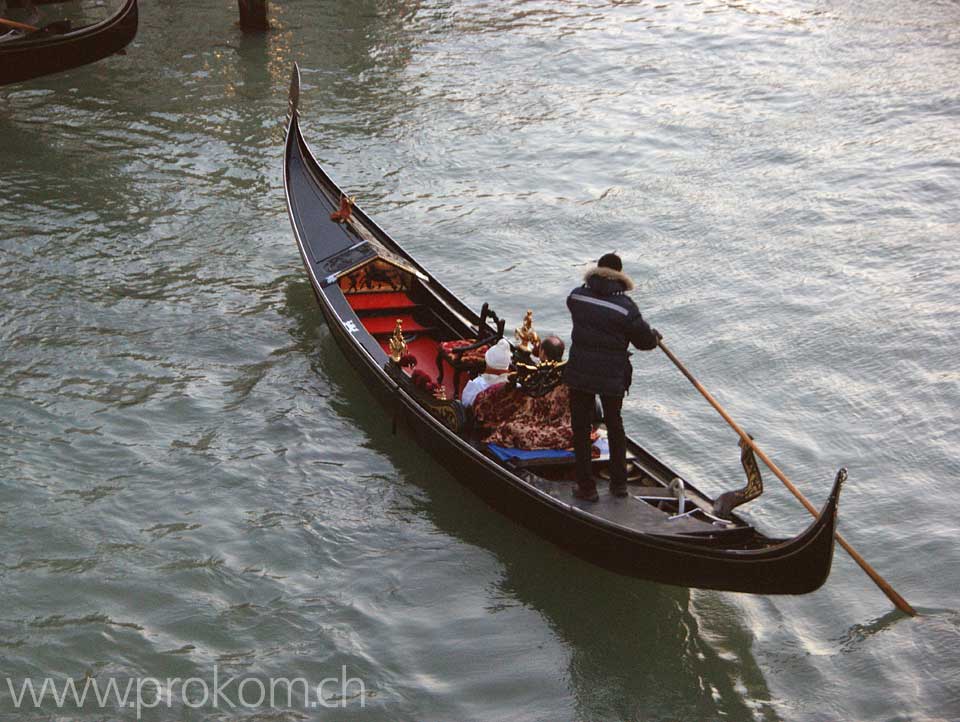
{"x":505,"y":452}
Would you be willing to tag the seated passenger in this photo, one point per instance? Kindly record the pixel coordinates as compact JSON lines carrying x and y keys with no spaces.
{"x":535,"y":418}
{"x":498,"y":364}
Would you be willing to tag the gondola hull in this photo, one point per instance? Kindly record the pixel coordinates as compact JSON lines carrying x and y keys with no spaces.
{"x":37,"y":54}
{"x":740,"y":559}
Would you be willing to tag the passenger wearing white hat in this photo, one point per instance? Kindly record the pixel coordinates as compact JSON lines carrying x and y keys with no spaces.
{"x":498,"y":364}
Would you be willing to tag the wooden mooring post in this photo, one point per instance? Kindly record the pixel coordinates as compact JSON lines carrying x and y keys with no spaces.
{"x":253,"y":15}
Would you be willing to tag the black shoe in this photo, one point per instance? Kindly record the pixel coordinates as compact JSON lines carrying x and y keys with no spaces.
{"x":586,"y":495}
{"x":618,"y":489}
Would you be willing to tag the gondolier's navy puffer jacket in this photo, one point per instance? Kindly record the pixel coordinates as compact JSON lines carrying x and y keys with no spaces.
{"x":605,"y":322}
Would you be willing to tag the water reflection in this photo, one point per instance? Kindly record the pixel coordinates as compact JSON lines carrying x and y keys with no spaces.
{"x":637,"y":650}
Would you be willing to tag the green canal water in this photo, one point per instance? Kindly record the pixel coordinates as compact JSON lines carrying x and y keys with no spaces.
{"x":194,"y":482}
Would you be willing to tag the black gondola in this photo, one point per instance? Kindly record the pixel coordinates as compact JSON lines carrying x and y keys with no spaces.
{"x":55,"y":48}
{"x":364,"y":282}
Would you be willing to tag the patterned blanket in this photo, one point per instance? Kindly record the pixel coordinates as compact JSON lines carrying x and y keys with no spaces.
{"x":507,"y":417}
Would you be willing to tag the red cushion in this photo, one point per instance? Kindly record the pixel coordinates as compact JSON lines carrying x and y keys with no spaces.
{"x":377,"y":325}
{"x":473,"y":358}
{"x":393,"y":299}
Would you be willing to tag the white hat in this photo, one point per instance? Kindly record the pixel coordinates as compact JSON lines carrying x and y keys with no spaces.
{"x":498,"y":357}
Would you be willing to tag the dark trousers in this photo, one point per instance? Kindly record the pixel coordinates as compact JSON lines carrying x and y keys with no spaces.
{"x":581,"y":419}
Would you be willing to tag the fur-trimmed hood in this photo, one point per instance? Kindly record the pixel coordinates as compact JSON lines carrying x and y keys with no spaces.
{"x":606,"y":280}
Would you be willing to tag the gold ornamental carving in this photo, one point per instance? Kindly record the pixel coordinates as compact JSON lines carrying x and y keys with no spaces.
{"x":398,"y":347}
{"x":527,"y":337}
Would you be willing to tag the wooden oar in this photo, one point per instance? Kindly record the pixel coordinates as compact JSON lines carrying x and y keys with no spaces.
{"x":891,"y":593}
{"x":18,"y":26}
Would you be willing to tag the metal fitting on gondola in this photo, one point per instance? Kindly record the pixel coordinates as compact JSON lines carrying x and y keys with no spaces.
{"x":398,"y":347}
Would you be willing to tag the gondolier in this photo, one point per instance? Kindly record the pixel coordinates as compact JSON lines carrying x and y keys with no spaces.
{"x":605,"y":322}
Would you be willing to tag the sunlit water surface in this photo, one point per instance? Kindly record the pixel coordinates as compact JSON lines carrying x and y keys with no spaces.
{"x":191,"y":476}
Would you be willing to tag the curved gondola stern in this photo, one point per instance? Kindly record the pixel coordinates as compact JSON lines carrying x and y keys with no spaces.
{"x":132,"y":19}
{"x":829,"y":512}
{"x":129,"y":20}
{"x":822,"y":535}
{"x":802,"y":564}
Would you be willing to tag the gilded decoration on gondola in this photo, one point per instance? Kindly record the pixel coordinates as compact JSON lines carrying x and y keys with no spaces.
{"x":727,"y":501}
{"x":398,"y":347}
{"x":537,"y":381}
{"x":378,"y":275}
{"x":526,"y":336}
{"x":450,"y":414}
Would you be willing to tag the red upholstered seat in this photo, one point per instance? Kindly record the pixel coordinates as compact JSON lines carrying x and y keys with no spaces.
{"x":380,"y":300}
{"x":379,"y":325}
{"x":472,"y":359}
